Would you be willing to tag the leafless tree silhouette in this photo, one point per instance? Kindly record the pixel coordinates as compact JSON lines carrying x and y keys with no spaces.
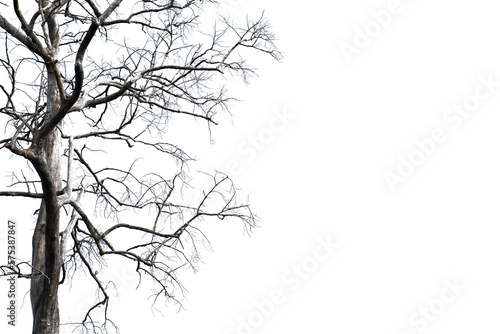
{"x":89,"y":86}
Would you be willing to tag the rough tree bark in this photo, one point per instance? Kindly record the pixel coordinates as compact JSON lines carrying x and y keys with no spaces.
{"x":46,"y":257}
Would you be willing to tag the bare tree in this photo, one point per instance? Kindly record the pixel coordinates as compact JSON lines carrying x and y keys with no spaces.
{"x":82,"y":76}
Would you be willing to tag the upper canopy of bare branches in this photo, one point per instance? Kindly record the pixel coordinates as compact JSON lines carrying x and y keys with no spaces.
{"x":147,"y":58}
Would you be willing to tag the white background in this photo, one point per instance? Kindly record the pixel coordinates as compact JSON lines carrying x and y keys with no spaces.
{"x":322,"y":177}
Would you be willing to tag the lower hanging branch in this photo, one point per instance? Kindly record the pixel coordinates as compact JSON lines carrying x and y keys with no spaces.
{"x":158,"y":249}
{"x":88,"y":320}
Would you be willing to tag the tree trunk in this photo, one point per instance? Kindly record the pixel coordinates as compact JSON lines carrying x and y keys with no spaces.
{"x":44,"y":284}
{"x":46,"y":257}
